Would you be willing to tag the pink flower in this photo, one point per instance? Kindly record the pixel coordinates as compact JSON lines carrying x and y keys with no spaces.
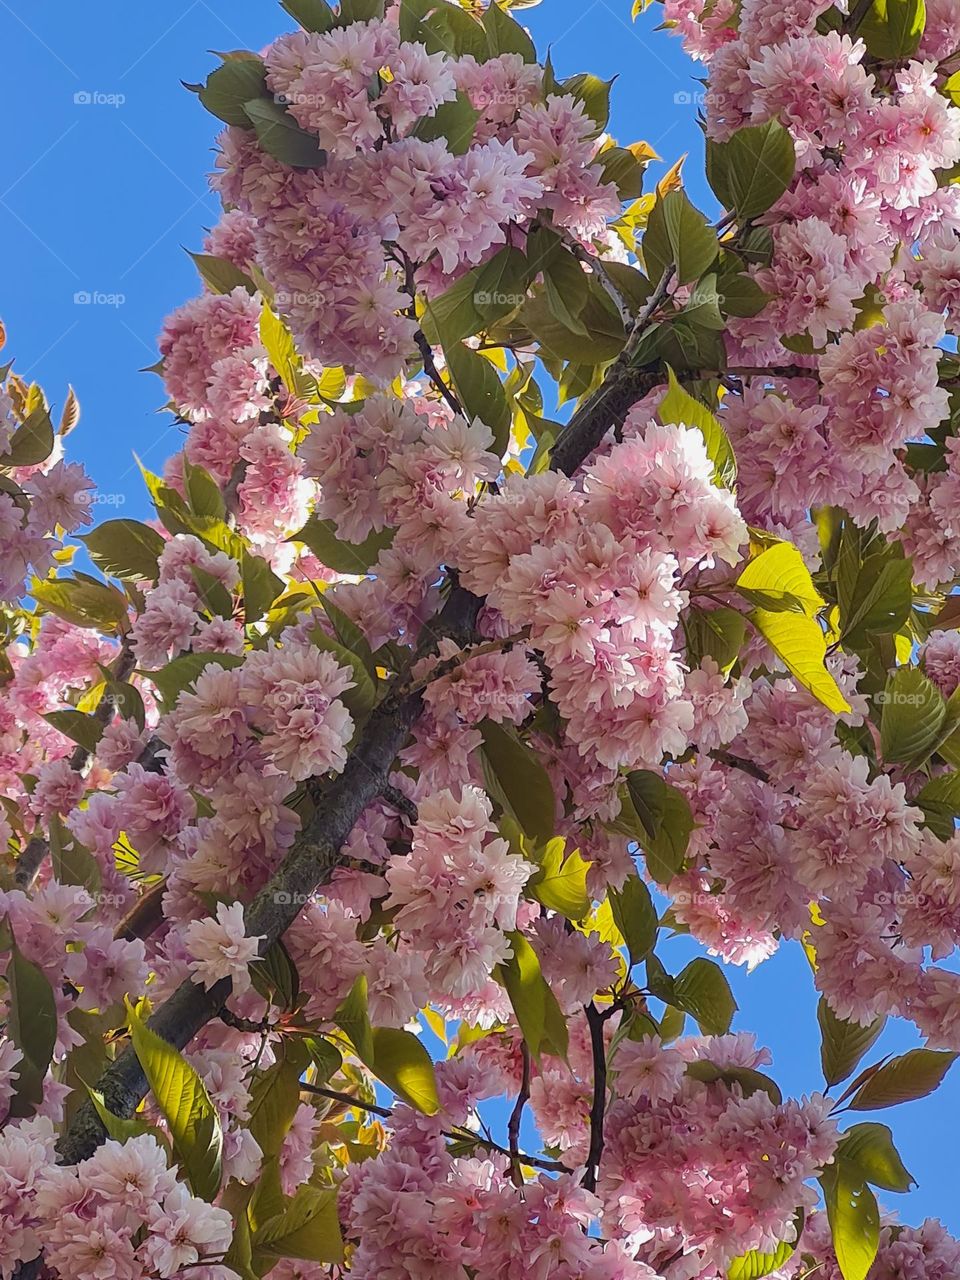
{"x":220,"y":948}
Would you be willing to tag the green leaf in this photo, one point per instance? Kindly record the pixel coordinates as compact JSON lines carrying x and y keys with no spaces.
{"x":702,"y":989}
{"x":913,"y":717}
{"x":362,"y":698}
{"x":869,"y":1148}
{"x":308,"y":1228}
{"x":82,"y":601}
{"x":281,"y":137}
{"x":881,"y":599}
{"x":32,"y":442}
{"x":335,"y":552}
{"x":567,"y":290}
{"x":505,"y":34}
{"x":125,"y":549}
{"x":754,"y":1265}
{"x":715,"y":633}
{"x":220,"y":275}
{"x":752,"y":169}
{"x":326,"y":1057}
{"x":261,"y":586}
{"x":940,"y":802}
{"x":275,"y":1096}
{"x":678,"y":233}
{"x":450,"y":29}
{"x":181,"y":673}
{"x":454,"y":121}
{"x":543,"y":1025}
{"x":854,"y":1220}
{"x":520,"y":781}
{"x":31,"y":1026}
{"x":594,"y":93}
{"x":913,"y":1075}
{"x":203,"y":493}
{"x":479,"y":391}
{"x":666,"y":822}
{"x":599,"y":319}
{"x":842,"y":1043}
{"x":353,"y":1018}
{"x":86,"y":731}
{"x":403,"y":1064}
{"x":181,"y":1095}
{"x":678,"y":406}
{"x":635,"y":916}
{"x":360,"y":11}
{"x":892,"y":29}
{"x":282,"y":350}
{"x":117,"y":1127}
{"x":740,"y":295}
{"x":499,"y":287}
{"x":313,"y":15}
{"x":747,"y":1080}
{"x":275,"y":977}
{"x":560,"y":882}
{"x":232,"y":86}
{"x":72,"y":862}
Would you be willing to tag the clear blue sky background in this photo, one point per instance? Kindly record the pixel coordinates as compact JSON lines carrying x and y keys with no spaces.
{"x":97,"y":198}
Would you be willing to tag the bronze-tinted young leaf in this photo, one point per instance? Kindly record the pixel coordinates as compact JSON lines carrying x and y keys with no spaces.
{"x":912,"y":1075}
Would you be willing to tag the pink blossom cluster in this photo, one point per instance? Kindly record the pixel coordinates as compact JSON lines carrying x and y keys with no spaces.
{"x":696,"y":1183}
{"x":596,"y":576}
{"x":347,"y":245}
{"x":864,"y":225}
{"x":40,"y":503}
{"x":122,"y":1213}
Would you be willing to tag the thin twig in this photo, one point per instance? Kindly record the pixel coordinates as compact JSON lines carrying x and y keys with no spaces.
{"x":516,"y":1115}
{"x":463,"y":1135}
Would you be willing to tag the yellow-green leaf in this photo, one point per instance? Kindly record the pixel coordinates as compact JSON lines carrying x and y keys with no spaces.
{"x":799,"y":643}
{"x":182,"y":1097}
{"x":403,"y":1064}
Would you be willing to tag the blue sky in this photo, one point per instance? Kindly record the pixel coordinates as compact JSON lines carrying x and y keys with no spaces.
{"x":104,"y":179}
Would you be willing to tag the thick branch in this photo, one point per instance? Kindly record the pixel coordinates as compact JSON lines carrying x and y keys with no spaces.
{"x":313,"y":857}
{"x":309,"y":864}
{"x":598,"y":1108}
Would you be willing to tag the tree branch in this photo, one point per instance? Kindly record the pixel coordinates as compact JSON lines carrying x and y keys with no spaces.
{"x":598,"y":1108}
{"x":313,"y":857}
{"x":351,"y":1100}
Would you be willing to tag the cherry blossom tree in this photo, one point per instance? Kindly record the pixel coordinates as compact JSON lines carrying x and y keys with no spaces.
{"x":548,"y":569}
